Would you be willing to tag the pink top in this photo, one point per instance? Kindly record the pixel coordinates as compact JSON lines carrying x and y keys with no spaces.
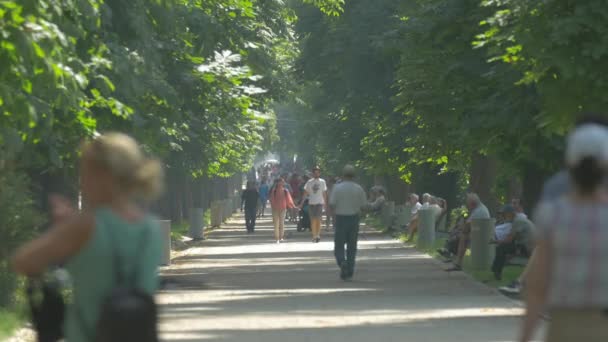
{"x":280,"y":199}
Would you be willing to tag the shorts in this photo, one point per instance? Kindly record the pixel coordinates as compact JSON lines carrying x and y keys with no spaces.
{"x":316,"y":210}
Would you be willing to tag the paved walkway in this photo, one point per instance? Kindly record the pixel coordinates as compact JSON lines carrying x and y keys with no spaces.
{"x":240,"y":287}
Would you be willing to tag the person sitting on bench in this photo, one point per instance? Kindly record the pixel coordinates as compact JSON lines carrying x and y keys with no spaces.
{"x":477,"y":210}
{"x":517,"y":239}
{"x":438,"y":206}
{"x":379,"y":198}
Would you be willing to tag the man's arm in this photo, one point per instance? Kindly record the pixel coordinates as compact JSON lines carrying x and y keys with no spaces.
{"x":332,"y":199}
{"x":304,"y":195}
{"x":537,"y":287}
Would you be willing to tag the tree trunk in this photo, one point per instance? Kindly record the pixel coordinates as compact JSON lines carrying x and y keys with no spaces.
{"x":532,"y":185}
{"x":483,"y":178}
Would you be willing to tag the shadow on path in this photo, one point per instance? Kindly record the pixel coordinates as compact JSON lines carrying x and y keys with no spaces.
{"x":244,"y":287}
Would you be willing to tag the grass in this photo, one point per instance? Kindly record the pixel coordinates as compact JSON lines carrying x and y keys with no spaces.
{"x":181,"y":229}
{"x":178,"y":230}
{"x":10,"y":321}
{"x":376,"y":222}
{"x":13,"y":318}
{"x":509,"y":274}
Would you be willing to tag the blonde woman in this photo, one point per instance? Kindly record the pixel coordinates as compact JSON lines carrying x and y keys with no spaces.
{"x":114,"y":174}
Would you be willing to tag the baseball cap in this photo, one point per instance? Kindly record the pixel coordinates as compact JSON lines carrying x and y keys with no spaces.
{"x":507,"y":209}
{"x":316,"y":168}
{"x":589,"y":140}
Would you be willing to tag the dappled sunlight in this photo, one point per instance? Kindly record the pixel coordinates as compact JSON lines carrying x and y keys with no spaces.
{"x":238,"y":286}
{"x":328,"y":318}
{"x":215,"y":296}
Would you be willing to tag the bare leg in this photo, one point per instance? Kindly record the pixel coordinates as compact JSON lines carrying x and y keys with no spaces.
{"x":462,"y":249}
{"x":413,"y":228}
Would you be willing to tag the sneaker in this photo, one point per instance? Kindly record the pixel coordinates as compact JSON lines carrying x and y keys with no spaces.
{"x":444,"y":253}
{"x":454,"y":268}
{"x":278,"y":241}
{"x":513,"y":289}
{"x":318,"y":239}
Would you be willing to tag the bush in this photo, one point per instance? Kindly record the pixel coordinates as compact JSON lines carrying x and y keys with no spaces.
{"x":20,"y":218}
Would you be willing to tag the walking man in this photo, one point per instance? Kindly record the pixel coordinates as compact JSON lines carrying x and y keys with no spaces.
{"x":316,"y":190}
{"x":249,"y":199}
{"x":347,"y":200}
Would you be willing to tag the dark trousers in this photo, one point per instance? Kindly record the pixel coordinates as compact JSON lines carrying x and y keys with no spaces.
{"x":502,"y":251}
{"x":250,"y":216}
{"x":347,"y":233}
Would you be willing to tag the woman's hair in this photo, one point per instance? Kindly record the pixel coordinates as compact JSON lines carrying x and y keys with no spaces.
{"x":587,"y":174}
{"x":120,"y":155}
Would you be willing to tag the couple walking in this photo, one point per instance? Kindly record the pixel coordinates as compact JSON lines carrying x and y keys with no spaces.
{"x":315,"y":191}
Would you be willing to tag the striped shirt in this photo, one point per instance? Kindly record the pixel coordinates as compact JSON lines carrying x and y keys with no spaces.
{"x":578,"y":238}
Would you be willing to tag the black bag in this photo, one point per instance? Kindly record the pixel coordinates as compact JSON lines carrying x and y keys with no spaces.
{"x":127,"y":314}
{"x":47,"y":308}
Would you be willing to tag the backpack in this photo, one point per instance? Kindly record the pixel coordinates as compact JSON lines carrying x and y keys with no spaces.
{"x":127,"y":314}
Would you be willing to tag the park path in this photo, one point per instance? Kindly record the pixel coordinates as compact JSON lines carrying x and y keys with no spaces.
{"x":240,"y":287}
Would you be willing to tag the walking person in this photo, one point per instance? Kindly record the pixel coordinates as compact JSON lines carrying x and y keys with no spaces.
{"x":114,"y":176}
{"x":316,"y":190}
{"x":280,"y":201}
{"x":568,"y":275}
{"x":347,"y":200}
{"x":263,"y":192}
{"x":249,"y":199}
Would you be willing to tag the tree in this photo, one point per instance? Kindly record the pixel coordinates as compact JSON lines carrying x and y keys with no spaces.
{"x":559,"y":46}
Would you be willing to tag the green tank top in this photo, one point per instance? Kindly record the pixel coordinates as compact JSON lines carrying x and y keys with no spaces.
{"x":92,"y":269}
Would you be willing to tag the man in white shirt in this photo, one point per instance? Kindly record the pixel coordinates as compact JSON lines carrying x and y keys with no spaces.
{"x":347,"y":200}
{"x":316,"y":191}
{"x":415,"y":205}
{"x":477,"y":210}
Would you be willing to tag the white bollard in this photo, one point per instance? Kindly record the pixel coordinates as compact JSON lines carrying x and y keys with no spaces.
{"x":426,"y":228}
{"x":165,"y":228}
{"x":482,"y":252}
{"x":197,"y":224}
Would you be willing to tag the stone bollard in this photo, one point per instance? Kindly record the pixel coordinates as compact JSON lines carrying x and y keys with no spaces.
{"x":388,"y":212}
{"x":165,"y":228}
{"x":197,"y":224}
{"x":237,"y":203}
{"x":404,"y":216}
{"x":216,"y":214}
{"x":482,"y":252}
{"x":426,"y":228}
{"x":227,"y":210}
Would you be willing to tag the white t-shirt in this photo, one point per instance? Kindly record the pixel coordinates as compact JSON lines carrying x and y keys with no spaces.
{"x":436,"y":210}
{"x":503,"y":230}
{"x":315,"y":189}
{"x":415,"y":208}
{"x":481,"y":212}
